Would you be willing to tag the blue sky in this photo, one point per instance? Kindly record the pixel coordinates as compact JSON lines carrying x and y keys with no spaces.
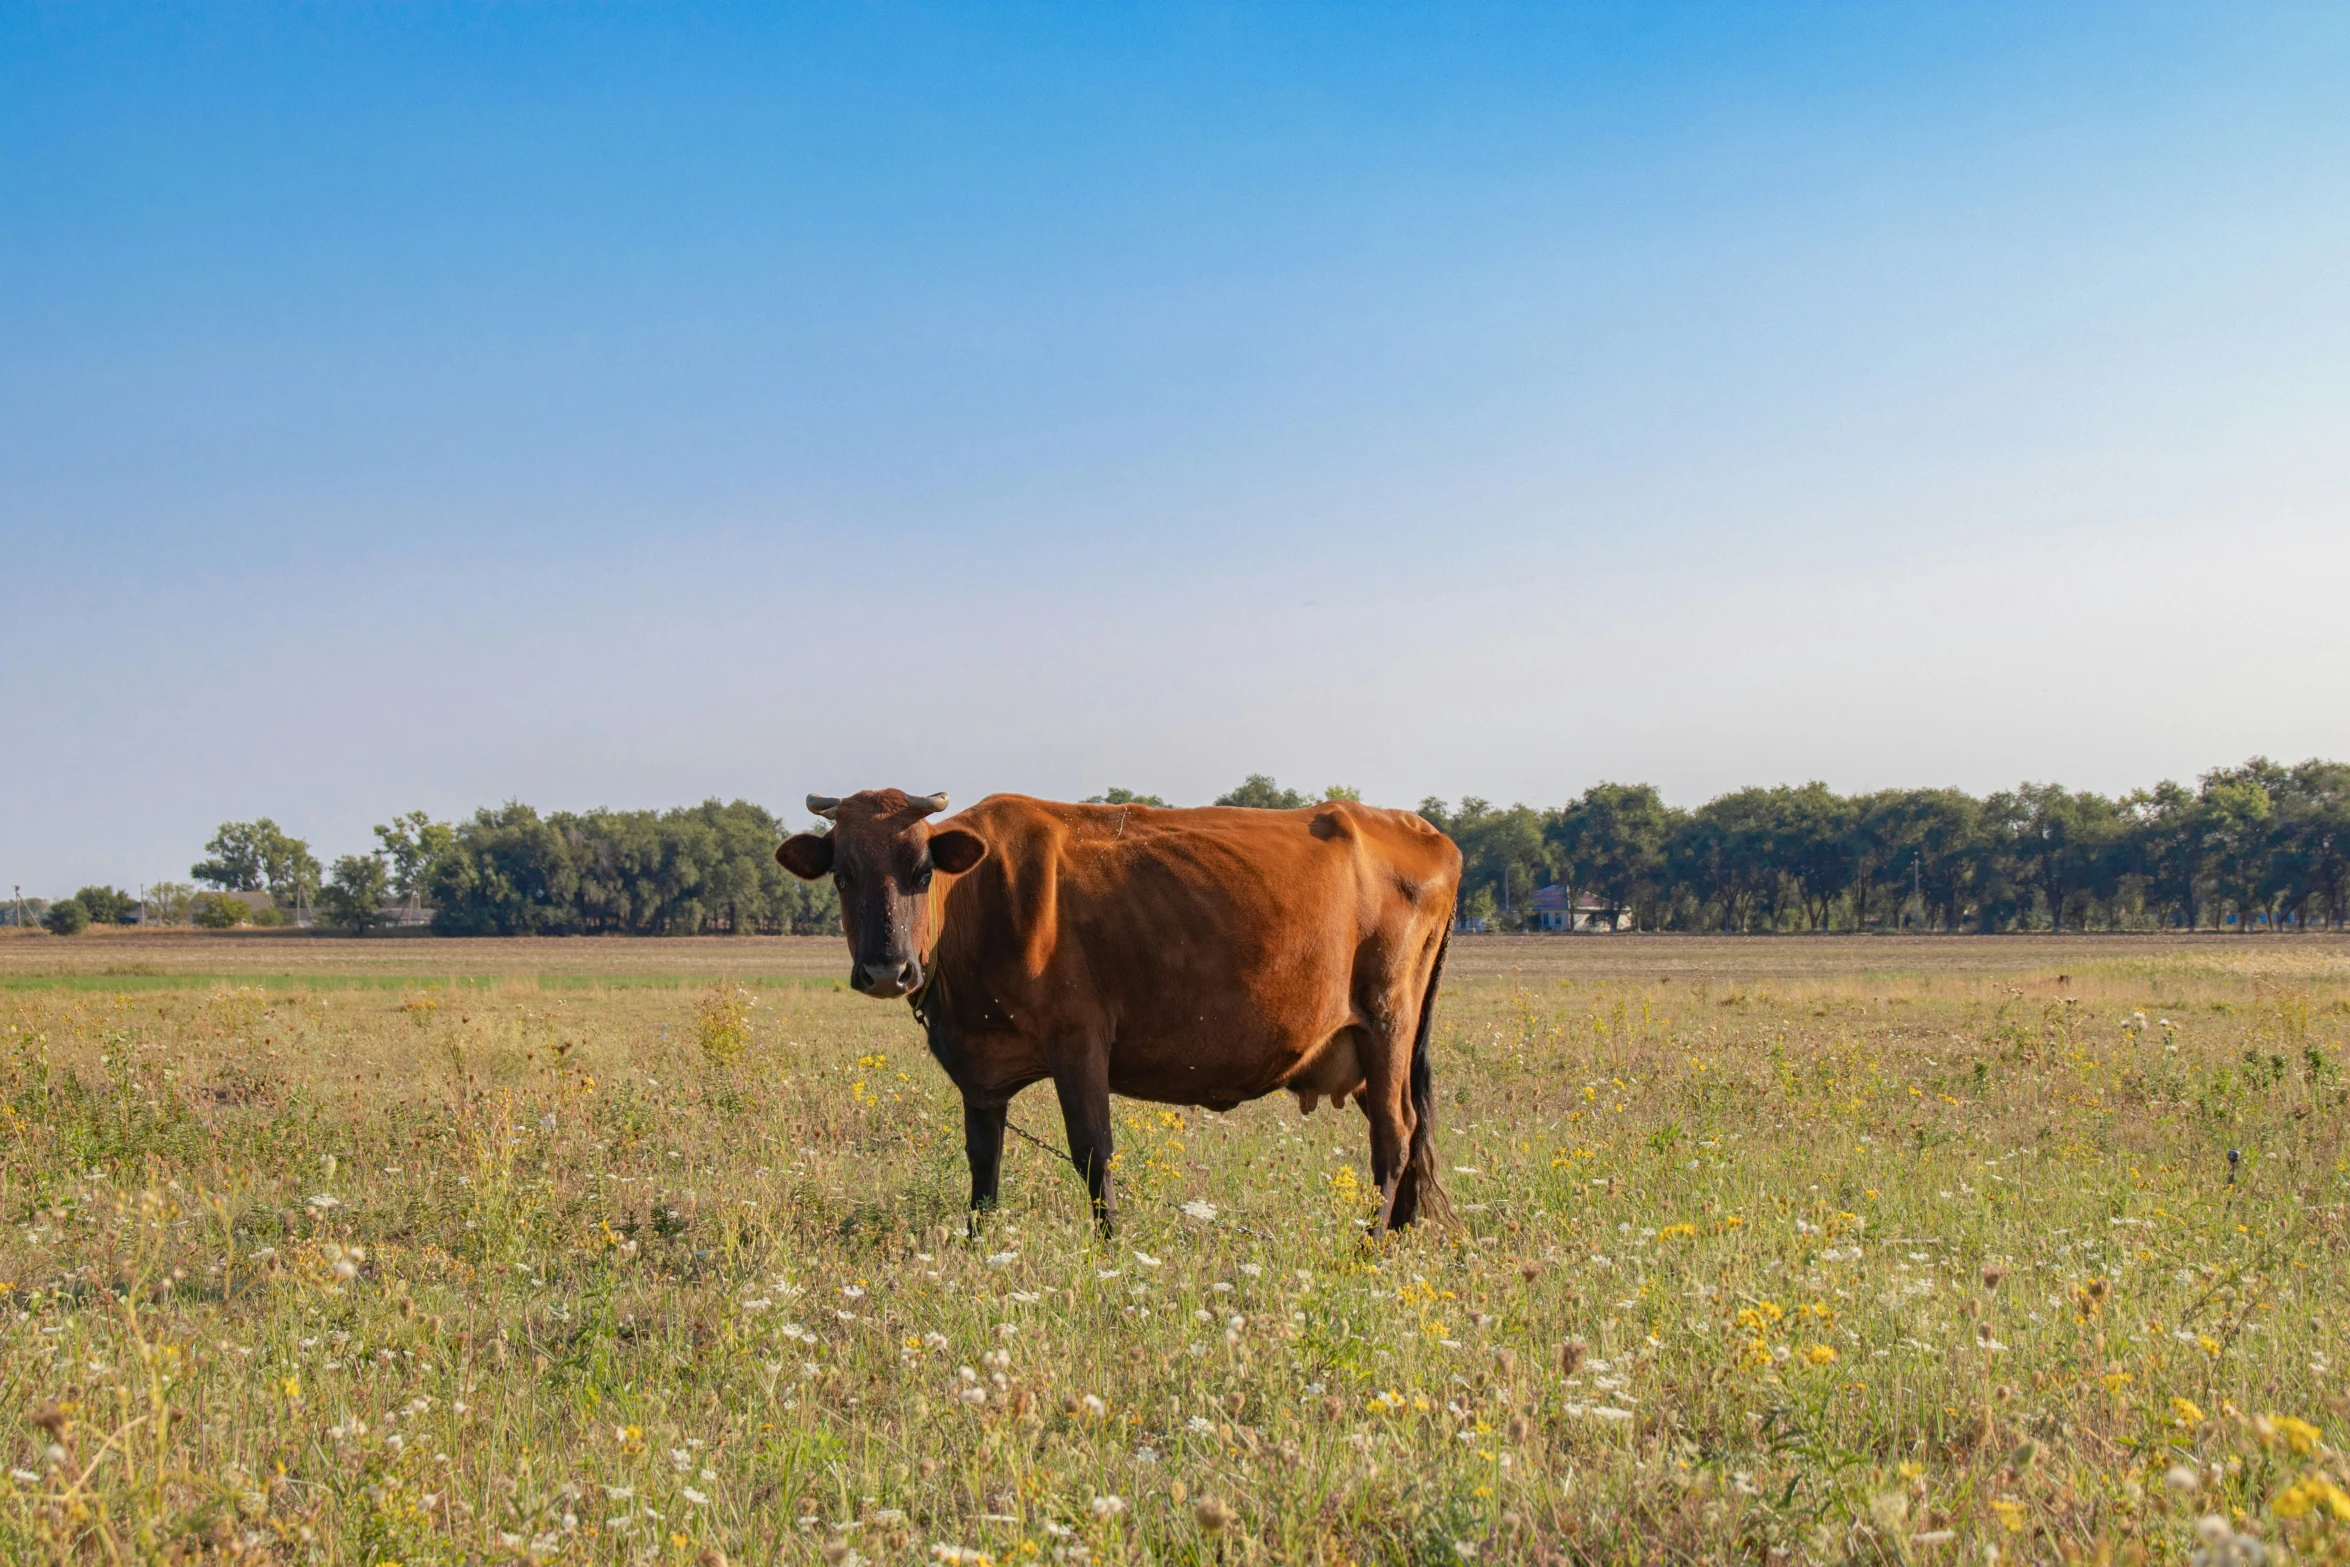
{"x":414,"y":405}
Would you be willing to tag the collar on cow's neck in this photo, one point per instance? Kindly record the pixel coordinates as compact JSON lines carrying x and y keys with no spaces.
{"x":924,"y":998}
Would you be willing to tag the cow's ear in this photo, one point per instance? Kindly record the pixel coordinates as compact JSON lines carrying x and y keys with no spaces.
{"x":956,"y":851}
{"x":807,"y":855}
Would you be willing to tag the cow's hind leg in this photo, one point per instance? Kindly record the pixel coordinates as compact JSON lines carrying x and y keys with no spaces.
{"x":1393,"y":1109}
{"x":1084,"y":1089}
{"x":983,"y":1145}
{"x":1388,"y":1111}
{"x":1394,"y":1006}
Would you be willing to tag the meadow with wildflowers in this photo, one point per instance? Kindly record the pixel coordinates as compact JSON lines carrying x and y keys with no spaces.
{"x":1784,"y":1250}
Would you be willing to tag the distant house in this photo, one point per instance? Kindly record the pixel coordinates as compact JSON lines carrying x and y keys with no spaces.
{"x":394,"y":913}
{"x":1553,"y":908}
{"x":141,"y":914}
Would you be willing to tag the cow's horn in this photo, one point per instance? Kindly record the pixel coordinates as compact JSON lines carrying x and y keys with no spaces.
{"x":822,"y":805}
{"x":929,"y":802}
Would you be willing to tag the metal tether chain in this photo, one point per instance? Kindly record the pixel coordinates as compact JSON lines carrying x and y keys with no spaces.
{"x":1064,"y":1157}
{"x":919,"y":1001}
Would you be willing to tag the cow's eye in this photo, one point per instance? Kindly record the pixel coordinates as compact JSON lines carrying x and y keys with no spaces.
{"x":841,"y":878}
{"x":922,"y":879}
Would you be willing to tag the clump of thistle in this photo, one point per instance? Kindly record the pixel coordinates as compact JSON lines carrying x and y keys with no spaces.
{"x":723,"y":1025}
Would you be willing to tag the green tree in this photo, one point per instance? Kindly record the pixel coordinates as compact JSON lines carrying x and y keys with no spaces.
{"x":219,"y":911}
{"x":1126,"y":797}
{"x":1811,"y":841}
{"x":353,"y":901}
{"x":167,"y":902}
{"x":412,"y":843}
{"x":2060,"y":844}
{"x":2235,"y":815}
{"x":66,"y":917}
{"x":1724,"y":857}
{"x":248,"y":856}
{"x":1501,"y":850}
{"x":292,"y":873}
{"x":2313,"y":839}
{"x":1613,"y":843}
{"x":2163,"y":838}
{"x":105,"y":905}
{"x":514,"y":875}
{"x":1918,"y":840}
{"x":1258,"y":790}
{"x":238,"y":861}
{"x":2004,"y":892}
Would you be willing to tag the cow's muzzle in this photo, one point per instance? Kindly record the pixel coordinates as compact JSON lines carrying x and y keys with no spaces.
{"x":889,"y":977}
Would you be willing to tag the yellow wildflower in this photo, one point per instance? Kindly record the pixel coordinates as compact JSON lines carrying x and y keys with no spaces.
{"x":2311,"y":1493}
{"x":2299,"y":1435}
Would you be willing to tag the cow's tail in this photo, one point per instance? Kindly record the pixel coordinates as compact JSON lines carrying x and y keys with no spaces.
{"x":1420,"y":1166}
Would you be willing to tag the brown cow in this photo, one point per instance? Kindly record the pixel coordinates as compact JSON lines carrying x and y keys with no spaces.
{"x":1191,"y":957}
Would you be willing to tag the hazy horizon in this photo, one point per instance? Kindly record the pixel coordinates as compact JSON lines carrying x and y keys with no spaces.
{"x":428,"y":406}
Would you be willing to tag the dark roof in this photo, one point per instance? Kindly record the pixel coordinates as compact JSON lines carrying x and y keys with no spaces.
{"x":1553,"y":899}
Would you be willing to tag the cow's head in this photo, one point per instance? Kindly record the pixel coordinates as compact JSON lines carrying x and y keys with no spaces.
{"x":881,"y":854}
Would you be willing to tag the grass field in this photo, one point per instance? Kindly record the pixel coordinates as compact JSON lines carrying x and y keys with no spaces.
{"x":404,"y":1250}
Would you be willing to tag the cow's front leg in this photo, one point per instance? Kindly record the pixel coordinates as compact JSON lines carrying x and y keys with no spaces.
{"x":1084,"y":1089}
{"x":983,"y":1145}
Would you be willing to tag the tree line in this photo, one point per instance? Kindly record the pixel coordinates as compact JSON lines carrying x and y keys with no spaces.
{"x":2262,"y":845}
{"x":2257,"y":846}
{"x":704,"y":869}
{"x":507,"y":871}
